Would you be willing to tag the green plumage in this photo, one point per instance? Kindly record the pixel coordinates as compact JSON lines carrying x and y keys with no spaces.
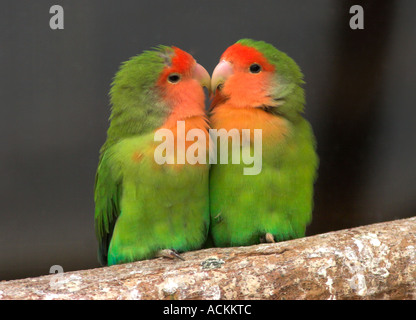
{"x":141,"y":207}
{"x":279,"y":200}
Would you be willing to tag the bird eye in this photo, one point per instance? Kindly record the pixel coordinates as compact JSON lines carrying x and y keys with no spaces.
{"x":174,"y":78}
{"x":255,"y":68}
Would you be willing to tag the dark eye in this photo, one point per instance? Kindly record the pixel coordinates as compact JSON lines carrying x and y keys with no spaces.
{"x":255,"y":68}
{"x":174,"y":78}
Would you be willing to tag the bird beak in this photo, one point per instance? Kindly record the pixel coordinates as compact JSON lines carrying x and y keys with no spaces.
{"x":202,"y":76}
{"x":221,"y":73}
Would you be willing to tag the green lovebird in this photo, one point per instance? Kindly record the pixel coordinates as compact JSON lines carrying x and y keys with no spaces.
{"x":146,"y":207}
{"x":259,"y":88}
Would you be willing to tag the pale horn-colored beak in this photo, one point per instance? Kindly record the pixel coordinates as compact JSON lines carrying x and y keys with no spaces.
{"x":202,"y":76}
{"x":222,"y":71}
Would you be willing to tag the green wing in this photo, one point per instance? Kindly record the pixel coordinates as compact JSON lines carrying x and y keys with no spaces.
{"x":107,"y":192}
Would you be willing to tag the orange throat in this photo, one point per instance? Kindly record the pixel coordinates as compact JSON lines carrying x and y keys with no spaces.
{"x":229,"y":117}
{"x":194,"y":122}
{"x":182,"y":120}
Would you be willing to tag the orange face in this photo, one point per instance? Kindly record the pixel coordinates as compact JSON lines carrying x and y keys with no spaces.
{"x":243,"y":77}
{"x":181,"y":83}
{"x":242,"y":57}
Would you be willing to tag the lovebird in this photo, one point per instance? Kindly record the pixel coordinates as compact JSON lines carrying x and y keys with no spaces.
{"x":258,"y":87}
{"x":148,"y":202}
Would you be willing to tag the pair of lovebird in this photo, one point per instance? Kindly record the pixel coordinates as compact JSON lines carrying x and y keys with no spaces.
{"x":145,"y":210}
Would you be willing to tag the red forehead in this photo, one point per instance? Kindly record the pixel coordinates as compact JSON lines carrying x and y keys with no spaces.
{"x":244,"y":56}
{"x":181,"y":63}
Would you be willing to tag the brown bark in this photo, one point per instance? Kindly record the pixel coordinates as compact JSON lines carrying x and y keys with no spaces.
{"x":371,"y":262}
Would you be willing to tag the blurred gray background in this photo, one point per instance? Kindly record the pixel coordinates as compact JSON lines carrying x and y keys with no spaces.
{"x":360,"y":90}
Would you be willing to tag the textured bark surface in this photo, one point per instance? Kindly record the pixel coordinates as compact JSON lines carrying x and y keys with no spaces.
{"x":371,"y":262}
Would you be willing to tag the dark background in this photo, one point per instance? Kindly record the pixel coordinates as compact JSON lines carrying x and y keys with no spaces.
{"x":360,"y":90}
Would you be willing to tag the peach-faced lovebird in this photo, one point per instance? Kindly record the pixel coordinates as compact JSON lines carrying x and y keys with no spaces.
{"x":259,"y":87}
{"x":146,"y":207}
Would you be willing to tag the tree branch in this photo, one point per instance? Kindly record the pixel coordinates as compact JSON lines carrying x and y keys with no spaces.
{"x":371,"y":262}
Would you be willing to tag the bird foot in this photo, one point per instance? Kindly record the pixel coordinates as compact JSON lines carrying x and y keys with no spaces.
{"x":169,"y":253}
{"x":267,"y":238}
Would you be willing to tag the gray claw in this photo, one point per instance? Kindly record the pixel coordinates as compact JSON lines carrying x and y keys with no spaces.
{"x":169,"y":253}
{"x":269,"y":238}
